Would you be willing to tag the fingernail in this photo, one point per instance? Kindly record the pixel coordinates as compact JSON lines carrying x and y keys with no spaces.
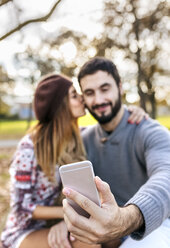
{"x":72,"y":238}
{"x":131,"y":122}
{"x":66,"y":191}
{"x":137,"y":122}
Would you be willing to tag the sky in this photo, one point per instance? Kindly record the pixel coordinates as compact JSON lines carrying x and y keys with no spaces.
{"x":74,"y":14}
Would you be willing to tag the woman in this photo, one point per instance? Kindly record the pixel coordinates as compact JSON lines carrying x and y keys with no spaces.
{"x":35,"y":182}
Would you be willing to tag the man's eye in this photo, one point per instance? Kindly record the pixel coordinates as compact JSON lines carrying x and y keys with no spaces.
{"x":89,"y":93}
{"x":105,"y":89}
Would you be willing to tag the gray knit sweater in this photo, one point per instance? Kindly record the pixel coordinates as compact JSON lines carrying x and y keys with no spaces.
{"x":135,"y":161}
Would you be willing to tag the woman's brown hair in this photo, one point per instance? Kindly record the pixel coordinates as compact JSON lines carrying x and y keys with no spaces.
{"x":57,"y":141}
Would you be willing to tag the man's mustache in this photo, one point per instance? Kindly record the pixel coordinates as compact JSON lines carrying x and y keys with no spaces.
{"x":101,"y":105}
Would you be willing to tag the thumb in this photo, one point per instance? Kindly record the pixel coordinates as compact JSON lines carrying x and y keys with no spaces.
{"x":104,"y":191}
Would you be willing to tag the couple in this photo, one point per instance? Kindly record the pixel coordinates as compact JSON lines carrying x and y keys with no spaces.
{"x":132,"y":158}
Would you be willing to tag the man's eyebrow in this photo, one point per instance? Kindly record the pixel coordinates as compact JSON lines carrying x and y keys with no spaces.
{"x":104,"y":84}
{"x":101,"y":86}
{"x":86,"y":90}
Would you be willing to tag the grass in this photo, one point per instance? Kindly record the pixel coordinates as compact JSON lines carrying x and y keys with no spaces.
{"x":165,"y":121}
{"x":86,"y":120}
{"x":13,"y":129}
{"x":16,"y":129}
{"x":3,"y":156}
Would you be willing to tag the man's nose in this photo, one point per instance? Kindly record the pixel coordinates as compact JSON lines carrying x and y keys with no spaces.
{"x":98,"y":98}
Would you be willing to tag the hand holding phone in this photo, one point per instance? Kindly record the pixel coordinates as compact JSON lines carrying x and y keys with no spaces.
{"x":79,"y":176}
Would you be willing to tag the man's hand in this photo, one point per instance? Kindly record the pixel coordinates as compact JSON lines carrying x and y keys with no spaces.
{"x":58,"y":236}
{"x":106,"y":223}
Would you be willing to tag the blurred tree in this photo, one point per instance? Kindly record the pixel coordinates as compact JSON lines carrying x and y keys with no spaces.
{"x":4,"y":109}
{"x":2,"y":2}
{"x":31,"y":65}
{"x":6,"y":85}
{"x":6,"y":82}
{"x":27,"y":22}
{"x":140,"y":29}
{"x":71,"y":49}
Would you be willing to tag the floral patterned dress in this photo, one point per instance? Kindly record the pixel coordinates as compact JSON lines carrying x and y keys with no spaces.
{"x":29,"y":187}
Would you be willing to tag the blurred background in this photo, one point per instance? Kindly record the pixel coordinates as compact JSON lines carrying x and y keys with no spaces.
{"x":39,"y":37}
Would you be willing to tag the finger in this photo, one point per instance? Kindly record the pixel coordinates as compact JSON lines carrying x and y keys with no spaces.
{"x":105,"y":192}
{"x":51,"y":238}
{"x":62,"y":242}
{"x":146,"y":116}
{"x":86,"y":239}
{"x":82,"y":226}
{"x":72,"y":238}
{"x":55,"y":243}
{"x":140,"y":116}
{"x":75,"y":232}
{"x":73,"y":220}
{"x":131,"y":108}
{"x":137,"y":114}
{"x":132,"y":117}
{"x":72,"y":227}
{"x":85,"y":203}
{"x":136,"y":118}
{"x":62,"y":236}
{"x":66,"y":243}
{"x":57,"y":237}
{"x":83,"y":239}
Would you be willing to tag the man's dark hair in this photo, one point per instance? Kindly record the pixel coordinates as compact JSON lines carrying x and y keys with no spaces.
{"x":96,"y":64}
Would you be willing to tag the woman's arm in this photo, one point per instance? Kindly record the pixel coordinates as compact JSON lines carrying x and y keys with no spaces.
{"x":47,"y":213}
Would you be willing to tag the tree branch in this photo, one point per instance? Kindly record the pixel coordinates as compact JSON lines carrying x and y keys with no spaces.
{"x":41,"y":19}
{"x":2,"y":2}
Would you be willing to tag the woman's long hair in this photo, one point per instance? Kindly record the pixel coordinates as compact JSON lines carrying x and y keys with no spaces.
{"x":57,"y":141}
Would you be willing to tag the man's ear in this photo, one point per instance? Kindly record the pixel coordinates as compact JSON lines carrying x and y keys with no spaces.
{"x":121,"y":88}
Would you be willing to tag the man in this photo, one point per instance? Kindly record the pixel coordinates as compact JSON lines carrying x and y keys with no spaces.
{"x":133,"y":159}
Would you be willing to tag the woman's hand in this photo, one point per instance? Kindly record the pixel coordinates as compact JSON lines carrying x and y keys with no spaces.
{"x":137,"y":114}
{"x":58,"y":236}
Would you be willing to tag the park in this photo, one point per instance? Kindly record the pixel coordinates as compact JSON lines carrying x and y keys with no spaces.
{"x":59,"y":36}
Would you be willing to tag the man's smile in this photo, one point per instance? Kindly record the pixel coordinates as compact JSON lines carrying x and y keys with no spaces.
{"x":101,"y":107}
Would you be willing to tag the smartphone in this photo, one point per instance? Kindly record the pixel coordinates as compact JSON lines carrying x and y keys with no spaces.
{"x":79,"y":176}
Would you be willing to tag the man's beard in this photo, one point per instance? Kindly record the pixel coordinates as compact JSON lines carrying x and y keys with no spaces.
{"x":107,"y":118}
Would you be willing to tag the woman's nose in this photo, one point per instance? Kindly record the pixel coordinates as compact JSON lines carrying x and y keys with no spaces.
{"x":81,"y":98}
